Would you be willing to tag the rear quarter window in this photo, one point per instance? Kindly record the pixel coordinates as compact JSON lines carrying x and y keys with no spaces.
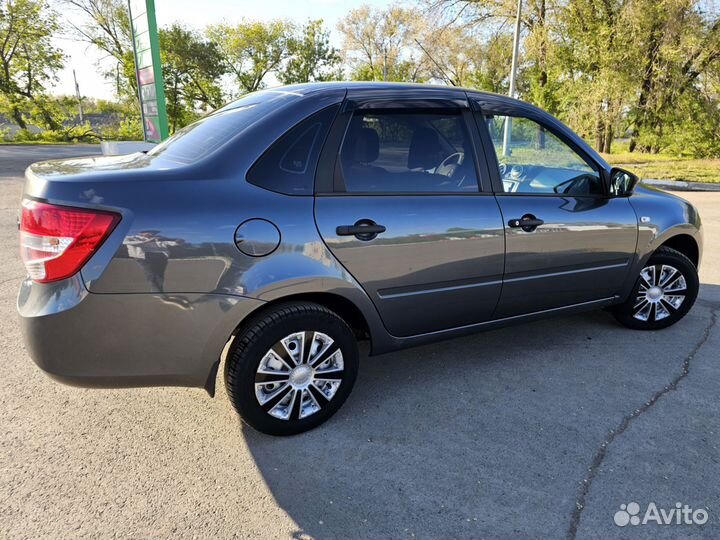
{"x":289,"y":165}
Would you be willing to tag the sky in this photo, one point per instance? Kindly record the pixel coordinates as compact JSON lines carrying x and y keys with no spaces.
{"x":198,"y":14}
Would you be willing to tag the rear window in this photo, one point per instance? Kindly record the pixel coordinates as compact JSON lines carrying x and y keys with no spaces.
{"x":288,"y":166}
{"x":200,"y":139}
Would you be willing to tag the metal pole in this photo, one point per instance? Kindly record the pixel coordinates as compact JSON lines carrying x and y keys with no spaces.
{"x":384,"y":63}
{"x":513,"y":72}
{"x":79,"y":98}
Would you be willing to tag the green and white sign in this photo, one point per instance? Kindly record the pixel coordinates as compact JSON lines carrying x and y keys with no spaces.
{"x":148,"y":70}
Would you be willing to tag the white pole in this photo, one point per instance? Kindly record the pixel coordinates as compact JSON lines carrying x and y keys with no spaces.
{"x":513,"y":72}
{"x":79,"y":97}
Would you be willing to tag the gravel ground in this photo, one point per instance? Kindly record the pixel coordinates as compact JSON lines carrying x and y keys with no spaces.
{"x":536,"y":431}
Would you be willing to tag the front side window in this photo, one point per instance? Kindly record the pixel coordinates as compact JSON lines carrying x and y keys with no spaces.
{"x":533,"y":160}
{"x":407,"y":151}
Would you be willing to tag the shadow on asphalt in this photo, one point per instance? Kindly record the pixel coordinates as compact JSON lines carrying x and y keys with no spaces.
{"x":484,"y":436}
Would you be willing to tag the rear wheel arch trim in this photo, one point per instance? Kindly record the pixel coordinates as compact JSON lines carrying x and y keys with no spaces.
{"x":342,"y":306}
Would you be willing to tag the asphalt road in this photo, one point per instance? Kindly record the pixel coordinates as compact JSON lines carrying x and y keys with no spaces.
{"x":537,"y":431}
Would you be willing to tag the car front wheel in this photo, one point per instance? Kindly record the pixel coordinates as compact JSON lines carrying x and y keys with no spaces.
{"x":292,"y":368}
{"x":665,"y":291}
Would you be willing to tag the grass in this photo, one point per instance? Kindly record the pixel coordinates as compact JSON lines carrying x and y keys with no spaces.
{"x":664,"y":167}
{"x":656,"y":166}
{"x":35,"y":143}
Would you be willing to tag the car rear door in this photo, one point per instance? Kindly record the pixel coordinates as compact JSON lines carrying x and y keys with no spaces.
{"x":567,"y":241}
{"x":404,"y":204}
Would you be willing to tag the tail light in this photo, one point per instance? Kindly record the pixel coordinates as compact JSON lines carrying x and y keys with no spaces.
{"x":55,"y":241}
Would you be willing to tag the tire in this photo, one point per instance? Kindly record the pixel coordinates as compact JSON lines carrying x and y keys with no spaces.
{"x":660,"y":297}
{"x":275,"y":385}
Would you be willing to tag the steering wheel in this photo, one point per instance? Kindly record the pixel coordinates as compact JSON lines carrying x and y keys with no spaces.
{"x":450,"y":164}
{"x":453,"y":159}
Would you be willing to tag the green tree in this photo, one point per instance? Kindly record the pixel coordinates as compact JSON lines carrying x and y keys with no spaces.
{"x":609,"y":68}
{"x":192,"y":67}
{"x":497,"y":17}
{"x":679,"y":48}
{"x":494,"y":59}
{"x":105,"y":24}
{"x":28,"y":60}
{"x":311,"y":57}
{"x":252,"y":49}
{"x":379,"y":44}
{"x":458,"y":54}
{"x":597,"y":65}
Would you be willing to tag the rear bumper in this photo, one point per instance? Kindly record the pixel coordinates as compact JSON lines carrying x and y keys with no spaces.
{"x":127,"y":340}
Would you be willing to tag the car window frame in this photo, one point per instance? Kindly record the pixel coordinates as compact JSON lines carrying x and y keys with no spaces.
{"x":481,"y":110}
{"x":334,"y":110}
{"x":329,"y":180}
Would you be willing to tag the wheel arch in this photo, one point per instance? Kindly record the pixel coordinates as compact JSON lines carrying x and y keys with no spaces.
{"x":685,"y":239}
{"x":685,"y":244}
{"x":342,"y":306}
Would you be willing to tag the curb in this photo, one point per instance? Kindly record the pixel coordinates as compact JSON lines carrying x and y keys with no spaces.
{"x":681,"y":185}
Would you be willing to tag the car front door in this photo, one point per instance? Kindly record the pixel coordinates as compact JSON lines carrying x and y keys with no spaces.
{"x":400,"y":203}
{"x":567,"y":241}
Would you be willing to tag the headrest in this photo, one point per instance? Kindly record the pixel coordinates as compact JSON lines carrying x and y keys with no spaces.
{"x":364,"y":145}
{"x":425,"y":149}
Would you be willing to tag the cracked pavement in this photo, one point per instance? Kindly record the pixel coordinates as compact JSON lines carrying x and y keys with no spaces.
{"x":537,"y":431}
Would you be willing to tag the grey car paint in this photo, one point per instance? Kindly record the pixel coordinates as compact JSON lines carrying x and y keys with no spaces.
{"x":160,"y":299}
{"x":661,"y":217}
{"x":440,"y":255}
{"x":581,"y":253}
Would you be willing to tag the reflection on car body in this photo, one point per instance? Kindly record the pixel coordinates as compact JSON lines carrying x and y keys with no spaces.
{"x":291,"y":223}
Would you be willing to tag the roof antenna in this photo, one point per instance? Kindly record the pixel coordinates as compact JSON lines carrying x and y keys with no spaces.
{"x":448,"y":79}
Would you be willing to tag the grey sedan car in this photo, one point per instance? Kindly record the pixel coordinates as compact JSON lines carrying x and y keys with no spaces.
{"x":274,"y":233}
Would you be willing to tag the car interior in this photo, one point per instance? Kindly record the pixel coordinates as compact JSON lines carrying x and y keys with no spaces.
{"x":531,"y":159}
{"x":524,"y":178}
{"x":407,"y":153}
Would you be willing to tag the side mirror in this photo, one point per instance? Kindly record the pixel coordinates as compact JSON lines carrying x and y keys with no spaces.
{"x":622,"y":182}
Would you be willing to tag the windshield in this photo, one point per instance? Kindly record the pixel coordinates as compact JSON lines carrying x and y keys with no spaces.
{"x":201,"y":138}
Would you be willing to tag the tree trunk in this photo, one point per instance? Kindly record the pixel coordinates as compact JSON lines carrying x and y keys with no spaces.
{"x":176,"y":106}
{"x":543,"y":78}
{"x":607,"y":142}
{"x":18,"y":117}
{"x":646,"y":86}
{"x":599,"y":132}
{"x":50,"y":122}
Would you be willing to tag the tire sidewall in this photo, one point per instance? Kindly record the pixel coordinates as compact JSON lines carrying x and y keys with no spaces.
{"x":250,"y":349}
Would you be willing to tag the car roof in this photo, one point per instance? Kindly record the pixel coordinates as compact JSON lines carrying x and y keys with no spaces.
{"x":315,"y":87}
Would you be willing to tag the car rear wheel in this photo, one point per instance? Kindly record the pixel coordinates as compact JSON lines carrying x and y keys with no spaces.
{"x":291,"y":368}
{"x":665,"y":291}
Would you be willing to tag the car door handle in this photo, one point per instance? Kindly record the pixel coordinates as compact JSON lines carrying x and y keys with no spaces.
{"x":364,"y":229}
{"x":527,"y":223}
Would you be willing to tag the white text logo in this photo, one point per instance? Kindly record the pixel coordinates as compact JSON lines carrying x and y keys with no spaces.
{"x":680,"y":514}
